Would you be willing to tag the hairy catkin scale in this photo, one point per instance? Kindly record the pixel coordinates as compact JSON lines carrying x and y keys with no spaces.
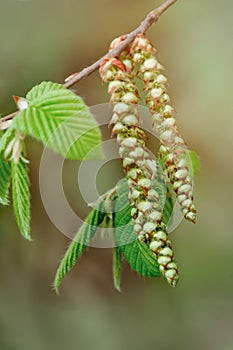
{"x":164,"y":123}
{"x":140,"y":168}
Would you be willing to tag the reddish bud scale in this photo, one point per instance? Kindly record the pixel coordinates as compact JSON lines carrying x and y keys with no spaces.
{"x":140,"y":168}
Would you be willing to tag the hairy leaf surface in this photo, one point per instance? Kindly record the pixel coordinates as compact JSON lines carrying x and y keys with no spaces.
{"x":138,"y":255}
{"x":7,"y":136}
{"x":61,"y":121}
{"x":21,"y":197}
{"x":80,"y":243}
{"x":5,"y":180}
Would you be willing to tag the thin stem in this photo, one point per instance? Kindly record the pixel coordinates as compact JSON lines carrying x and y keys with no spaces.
{"x":8,"y":117}
{"x":150,"y":19}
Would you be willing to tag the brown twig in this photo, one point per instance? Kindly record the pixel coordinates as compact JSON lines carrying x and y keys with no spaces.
{"x":8,"y":117}
{"x":151,"y":18}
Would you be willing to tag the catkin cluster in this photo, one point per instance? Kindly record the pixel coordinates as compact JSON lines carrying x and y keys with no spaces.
{"x":140,"y":167}
{"x":173,"y":149}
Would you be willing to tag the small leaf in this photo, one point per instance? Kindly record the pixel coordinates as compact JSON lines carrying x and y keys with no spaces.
{"x":79,"y":244}
{"x":117,"y":268}
{"x":5,"y":180}
{"x":169,"y":205}
{"x":8,"y":135}
{"x":61,"y":121}
{"x":21,"y":197}
{"x":137,"y":254}
{"x":193,"y":162}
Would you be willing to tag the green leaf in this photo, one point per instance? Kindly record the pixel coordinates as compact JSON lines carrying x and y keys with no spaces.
{"x":8,"y":135}
{"x":194,"y":162}
{"x":21,"y":197}
{"x":80,"y":243}
{"x":117,"y":268}
{"x":169,"y":204}
{"x":5,"y":180}
{"x":138,"y":255}
{"x":61,"y":121}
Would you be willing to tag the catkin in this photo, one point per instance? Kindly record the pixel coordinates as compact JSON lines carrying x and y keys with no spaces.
{"x":164,"y":122}
{"x":139,"y":166}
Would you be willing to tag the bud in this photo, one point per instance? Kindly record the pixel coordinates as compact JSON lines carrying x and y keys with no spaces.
{"x":155,"y":216}
{"x":166,"y":135}
{"x":128,"y":64}
{"x":137,"y":153}
{"x":166,"y":252}
{"x":149,"y":227}
{"x":130,"y":120}
{"x":118,"y":127}
{"x":150,"y":64}
{"x":148,"y":76}
{"x":121,"y":108}
{"x":155,"y":245}
{"x":160,"y":235}
{"x":137,"y":228}
{"x":128,"y":162}
{"x":130,"y":142}
{"x":168,"y":109}
{"x":153,"y":195}
{"x":130,"y":97}
{"x":156,"y":93}
{"x":144,"y":206}
{"x":145,"y":183}
{"x":169,"y":122}
{"x":186,"y":188}
{"x":114,"y":85}
{"x":164,"y":260}
{"x":161,"y":79}
{"x":135,"y":194}
{"x":181,"y":174}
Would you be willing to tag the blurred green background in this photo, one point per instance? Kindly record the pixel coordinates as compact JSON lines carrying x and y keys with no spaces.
{"x":48,"y":40}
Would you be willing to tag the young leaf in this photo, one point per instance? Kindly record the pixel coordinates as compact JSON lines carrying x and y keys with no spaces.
{"x":21,"y":197}
{"x":6,"y":138}
{"x":194,"y":162}
{"x":5,"y":180}
{"x":79,"y":244}
{"x":138,"y":255}
{"x":169,"y":205}
{"x":117,"y":268}
{"x":61,"y":121}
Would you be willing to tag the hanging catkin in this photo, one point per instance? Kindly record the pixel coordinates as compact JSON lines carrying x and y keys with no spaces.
{"x":140,"y":168}
{"x":173,"y":147}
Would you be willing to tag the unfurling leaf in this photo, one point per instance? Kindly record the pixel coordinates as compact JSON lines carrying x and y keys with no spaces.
{"x":194,"y":162}
{"x":137,"y":254}
{"x":21,"y":197}
{"x":117,"y":268}
{"x":6,"y":138}
{"x":80,"y":243}
{"x":61,"y":121}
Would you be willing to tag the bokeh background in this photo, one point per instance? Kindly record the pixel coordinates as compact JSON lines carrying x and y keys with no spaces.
{"x":48,"y":40}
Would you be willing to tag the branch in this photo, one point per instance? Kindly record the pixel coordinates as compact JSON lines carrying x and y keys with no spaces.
{"x":150,"y":19}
